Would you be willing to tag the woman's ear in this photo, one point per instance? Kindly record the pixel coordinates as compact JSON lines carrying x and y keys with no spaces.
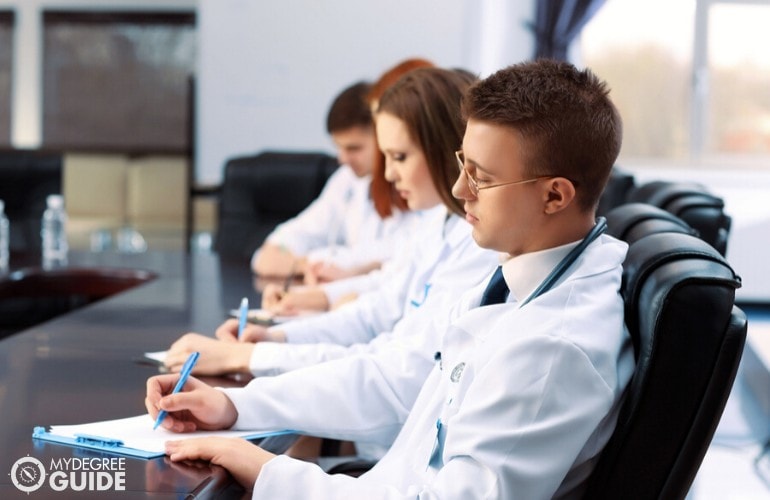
{"x":559,"y":194}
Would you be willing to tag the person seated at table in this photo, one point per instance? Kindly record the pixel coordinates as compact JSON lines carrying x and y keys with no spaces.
{"x":525,"y":391}
{"x":339,"y":229}
{"x":442,"y":259}
{"x":419,"y":126}
{"x":322,"y":290}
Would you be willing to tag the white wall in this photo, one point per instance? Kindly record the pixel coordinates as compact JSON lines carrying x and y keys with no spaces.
{"x":269,"y":70}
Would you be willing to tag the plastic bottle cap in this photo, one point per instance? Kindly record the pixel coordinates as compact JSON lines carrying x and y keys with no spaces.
{"x":54,"y":201}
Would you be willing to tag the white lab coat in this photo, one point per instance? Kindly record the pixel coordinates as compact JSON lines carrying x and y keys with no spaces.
{"x":526,"y":416}
{"x":443,"y":261}
{"x":341,"y":226}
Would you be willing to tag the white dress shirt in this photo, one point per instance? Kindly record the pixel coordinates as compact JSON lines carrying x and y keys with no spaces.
{"x":526,"y":397}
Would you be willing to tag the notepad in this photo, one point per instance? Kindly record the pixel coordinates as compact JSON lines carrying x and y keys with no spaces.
{"x":157,"y":357}
{"x":131,"y":436}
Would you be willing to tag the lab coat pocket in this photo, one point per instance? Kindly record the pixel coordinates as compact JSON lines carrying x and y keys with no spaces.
{"x":456,"y":385}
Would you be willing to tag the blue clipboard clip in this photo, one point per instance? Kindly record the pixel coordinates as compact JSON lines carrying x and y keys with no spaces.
{"x":99,"y":441}
{"x":96,"y":443}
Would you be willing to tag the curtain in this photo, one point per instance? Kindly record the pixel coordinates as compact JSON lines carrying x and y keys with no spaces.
{"x":558,"y":22}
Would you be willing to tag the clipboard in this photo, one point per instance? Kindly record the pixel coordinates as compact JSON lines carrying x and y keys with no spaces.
{"x":131,"y":437}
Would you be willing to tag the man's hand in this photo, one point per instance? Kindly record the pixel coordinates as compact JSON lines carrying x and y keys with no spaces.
{"x":228,"y":332}
{"x":288,"y":303}
{"x":216,"y":357}
{"x":197,"y":406}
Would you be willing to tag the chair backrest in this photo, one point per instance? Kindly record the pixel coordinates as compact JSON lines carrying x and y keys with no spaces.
{"x":262,"y":191}
{"x":692,"y":203}
{"x":27,"y":177}
{"x":615,"y":192}
{"x":688,"y":336}
{"x":633,"y":221}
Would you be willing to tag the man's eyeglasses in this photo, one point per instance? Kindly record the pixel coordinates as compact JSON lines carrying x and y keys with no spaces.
{"x":473,"y":183}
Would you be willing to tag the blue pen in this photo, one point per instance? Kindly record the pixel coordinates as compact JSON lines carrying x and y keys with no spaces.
{"x":186,"y":369}
{"x":243,"y":315}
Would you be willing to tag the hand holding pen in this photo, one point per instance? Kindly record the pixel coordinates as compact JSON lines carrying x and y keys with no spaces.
{"x":198,"y":407}
{"x":183,"y":376}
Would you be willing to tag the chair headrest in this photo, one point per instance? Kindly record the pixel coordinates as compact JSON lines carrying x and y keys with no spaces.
{"x":660,"y":193}
{"x":655,"y":250}
{"x":632,"y":221}
{"x":652,"y":252}
{"x":692,"y":203}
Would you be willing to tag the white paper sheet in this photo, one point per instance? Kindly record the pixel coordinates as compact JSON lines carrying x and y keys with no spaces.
{"x":137,"y":432}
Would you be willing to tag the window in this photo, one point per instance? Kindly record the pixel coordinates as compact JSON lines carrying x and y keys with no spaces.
{"x":738,"y":105}
{"x":6,"y":62}
{"x":690,"y":78}
{"x":117,"y":81}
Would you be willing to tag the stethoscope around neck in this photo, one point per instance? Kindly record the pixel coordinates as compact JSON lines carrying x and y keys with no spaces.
{"x":568,"y":260}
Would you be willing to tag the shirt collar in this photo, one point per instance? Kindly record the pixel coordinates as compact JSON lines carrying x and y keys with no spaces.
{"x":525,"y":272}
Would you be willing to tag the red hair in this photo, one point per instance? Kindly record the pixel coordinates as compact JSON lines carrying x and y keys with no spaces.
{"x":384,"y":195}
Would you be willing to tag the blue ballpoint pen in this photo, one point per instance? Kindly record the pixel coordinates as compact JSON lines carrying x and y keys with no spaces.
{"x":184,"y":375}
{"x":243,"y":315}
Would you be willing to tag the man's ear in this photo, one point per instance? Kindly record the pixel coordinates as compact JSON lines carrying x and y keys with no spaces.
{"x":559,"y":194}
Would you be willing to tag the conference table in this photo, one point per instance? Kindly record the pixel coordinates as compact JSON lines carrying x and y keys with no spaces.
{"x":87,"y":365}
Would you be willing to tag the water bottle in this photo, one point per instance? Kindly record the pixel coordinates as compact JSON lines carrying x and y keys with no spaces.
{"x":4,"y":239}
{"x":54,"y":232}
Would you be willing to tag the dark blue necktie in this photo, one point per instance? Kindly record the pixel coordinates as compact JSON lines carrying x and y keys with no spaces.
{"x":496,"y":291}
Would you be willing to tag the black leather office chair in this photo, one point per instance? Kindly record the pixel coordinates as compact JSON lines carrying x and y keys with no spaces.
{"x":688,"y":336}
{"x":262,"y":191}
{"x":27,"y":177}
{"x":633,"y":221}
{"x":615,"y":192}
{"x":692,"y":203}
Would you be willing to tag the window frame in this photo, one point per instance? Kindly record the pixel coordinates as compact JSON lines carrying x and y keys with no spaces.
{"x":8,"y":20}
{"x":696,"y":117}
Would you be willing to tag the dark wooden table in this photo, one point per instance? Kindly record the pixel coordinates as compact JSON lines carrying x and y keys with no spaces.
{"x":82,"y":367}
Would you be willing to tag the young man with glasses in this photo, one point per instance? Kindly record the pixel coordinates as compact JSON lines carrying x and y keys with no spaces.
{"x":529,"y":377}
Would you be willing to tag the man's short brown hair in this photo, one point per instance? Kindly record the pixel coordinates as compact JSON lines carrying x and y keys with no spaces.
{"x":568,"y":123}
{"x":350,"y":109}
